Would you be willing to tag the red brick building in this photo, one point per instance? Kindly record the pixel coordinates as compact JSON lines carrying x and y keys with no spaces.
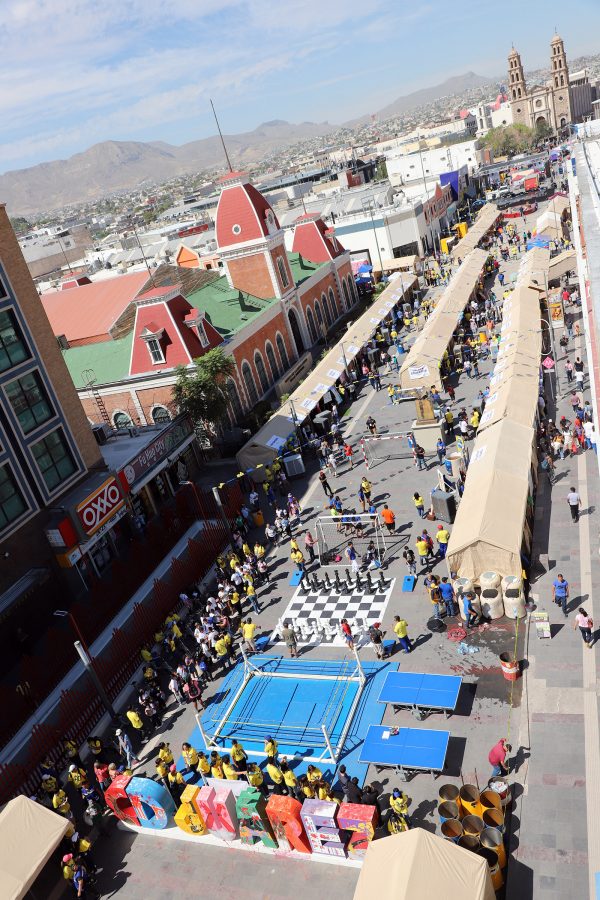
{"x":266,"y":307}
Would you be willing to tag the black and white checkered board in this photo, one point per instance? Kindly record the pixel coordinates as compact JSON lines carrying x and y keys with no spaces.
{"x":329,"y":605}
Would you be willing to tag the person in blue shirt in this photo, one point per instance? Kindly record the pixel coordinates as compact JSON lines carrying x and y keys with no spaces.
{"x":447,"y":593}
{"x":560,"y":593}
{"x":440,"y":449}
{"x":469,"y":610}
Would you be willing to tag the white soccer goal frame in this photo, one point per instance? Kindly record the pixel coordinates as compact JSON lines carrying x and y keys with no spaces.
{"x":327,"y":524}
{"x":330,"y":754}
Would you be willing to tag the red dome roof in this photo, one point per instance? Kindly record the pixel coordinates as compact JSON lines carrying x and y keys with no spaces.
{"x":243,"y":214}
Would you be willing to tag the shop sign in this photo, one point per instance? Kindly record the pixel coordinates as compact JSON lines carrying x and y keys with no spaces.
{"x":85,"y":548}
{"x":163,"y":446}
{"x":100,"y":506}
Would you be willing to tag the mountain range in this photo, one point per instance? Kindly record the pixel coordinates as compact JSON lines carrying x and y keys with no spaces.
{"x":113,"y":166}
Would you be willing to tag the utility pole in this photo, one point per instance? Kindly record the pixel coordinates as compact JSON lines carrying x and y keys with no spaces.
{"x":221,"y":136}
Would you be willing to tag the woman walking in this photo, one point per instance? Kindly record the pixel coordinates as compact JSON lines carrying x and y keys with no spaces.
{"x":585,"y":624}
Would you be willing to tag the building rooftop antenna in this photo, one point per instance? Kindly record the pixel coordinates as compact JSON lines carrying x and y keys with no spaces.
{"x":221,"y":136}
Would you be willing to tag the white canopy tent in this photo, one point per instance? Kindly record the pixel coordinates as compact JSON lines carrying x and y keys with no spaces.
{"x":418,"y":865}
{"x":29,"y":835}
{"x":486,"y":221}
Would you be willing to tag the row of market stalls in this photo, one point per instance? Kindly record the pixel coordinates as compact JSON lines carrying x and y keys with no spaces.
{"x":421,"y":369}
{"x":488,"y":218}
{"x":328,"y":375}
{"x":493,"y":526}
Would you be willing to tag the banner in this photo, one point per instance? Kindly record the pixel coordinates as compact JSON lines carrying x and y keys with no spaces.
{"x":418,"y":372}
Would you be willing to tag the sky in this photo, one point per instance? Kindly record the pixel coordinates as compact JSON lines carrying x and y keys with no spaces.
{"x":76,"y":72}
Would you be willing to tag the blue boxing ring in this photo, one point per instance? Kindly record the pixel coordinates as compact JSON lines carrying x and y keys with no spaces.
{"x":307,"y":706}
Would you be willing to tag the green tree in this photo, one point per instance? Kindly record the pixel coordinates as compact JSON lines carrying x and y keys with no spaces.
{"x":201,"y":392}
{"x":509,"y":139}
{"x":19,"y":224}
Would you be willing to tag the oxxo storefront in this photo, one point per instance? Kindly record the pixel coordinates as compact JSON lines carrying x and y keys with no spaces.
{"x":152,"y":476}
{"x":85,"y":537}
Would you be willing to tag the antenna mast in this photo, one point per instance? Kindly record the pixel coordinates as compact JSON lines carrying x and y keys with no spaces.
{"x":221,"y":136}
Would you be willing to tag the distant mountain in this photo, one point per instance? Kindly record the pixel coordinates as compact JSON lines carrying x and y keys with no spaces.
{"x":123,"y":165}
{"x":458,"y":84}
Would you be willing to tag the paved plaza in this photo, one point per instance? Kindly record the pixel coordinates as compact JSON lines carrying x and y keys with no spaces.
{"x":550,"y":715}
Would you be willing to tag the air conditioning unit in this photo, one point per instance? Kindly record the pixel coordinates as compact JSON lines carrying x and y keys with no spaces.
{"x":101,"y":433}
{"x":63,"y":342}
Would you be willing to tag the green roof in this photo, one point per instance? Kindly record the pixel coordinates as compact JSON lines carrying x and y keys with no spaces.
{"x":301,"y":267}
{"x":109,"y":360}
{"x":228,"y":309}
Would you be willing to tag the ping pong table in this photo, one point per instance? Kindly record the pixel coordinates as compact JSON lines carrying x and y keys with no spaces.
{"x":430,"y":693}
{"x":411,"y":749}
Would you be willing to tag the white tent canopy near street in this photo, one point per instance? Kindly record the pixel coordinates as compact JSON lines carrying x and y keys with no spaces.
{"x":268,"y":442}
{"x":485,"y":222}
{"x":29,"y":835}
{"x":418,"y":865}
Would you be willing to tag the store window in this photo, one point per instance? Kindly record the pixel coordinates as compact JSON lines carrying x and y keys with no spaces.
{"x":12,"y":504}
{"x":160,"y":415}
{"x":54,"y":458}
{"x":121,"y":420}
{"x":13,"y":349}
{"x":29,"y":400}
{"x":282,"y":353}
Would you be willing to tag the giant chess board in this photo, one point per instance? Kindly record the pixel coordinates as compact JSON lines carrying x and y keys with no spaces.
{"x":361,"y":606}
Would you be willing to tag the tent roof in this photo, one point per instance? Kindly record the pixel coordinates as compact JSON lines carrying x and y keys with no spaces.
{"x":418,"y":864}
{"x":29,"y":834}
{"x":266,"y":444}
{"x":431,"y":344}
{"x":403,"y":262}
{"x":561,"y":264}
{"x":487,"y":217}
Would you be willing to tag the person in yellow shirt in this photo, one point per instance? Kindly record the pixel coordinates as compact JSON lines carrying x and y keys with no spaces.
{"x":290,"y":780}
{"x":294,"y":545}
{"x":401,"y":632}
{"x":165,"y":753}
{"x":259,"y":550}
{"x":442,"y":537}
{"x":203,"y":763}
{"x":95,"y":745}
{"x":191,"y":757}
{"x":239,"y":757}
{"x":136,"y":720}
{"x":162,"y":770}
{"x":177,"y":783}
{"x":399,"y":802}
{"x":255,"y":778}
{"x":276,"y":776}
{"x":474,"y":420}
{"x":419,"y":504}
{"x":77,"y":777}
{"x":145,"y":654}
{"x":72,"y":752}
{"x":423,"y":551}
{"x":222,"y":650}
{"x":314,"y":774}
{"x":61,"y":804}
{"x":298,"y":559}
{"x":251,"y":595}
{"x":306,"y":789}
{"x":216,"y":765}
{"x":49,"y":784}
{"x":248,"y":629}
{"x":229,"y":771}
{"x":271,"y":748}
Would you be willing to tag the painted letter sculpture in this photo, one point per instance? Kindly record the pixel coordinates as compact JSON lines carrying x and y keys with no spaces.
{"x":217,"y":808}
{"x":319,"y":818}
{"x":254,"y":823}
{"x":361,"y":821}
{"x":152,"y":802}
{"x":284,"y":815}
{"x":189,"y":817}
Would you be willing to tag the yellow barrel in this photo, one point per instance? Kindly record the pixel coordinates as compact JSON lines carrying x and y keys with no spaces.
{"x":469,"y":842}
{"x":492,"y":839}
{"x":447,"y":810}
{"x":494,"y":818}
{"x":469,"y":800}
{"x":495,"y":871}
{"x":489,"y":800}
{"x":452,"y":830}
{"x":472,"y":825}
{"x":449,"y":792}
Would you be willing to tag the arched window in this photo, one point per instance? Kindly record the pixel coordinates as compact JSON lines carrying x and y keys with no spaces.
{"x":285,"y":281}
{"x":234,"y":400}
{"x":319,"y":316}
{"x":354,"y":289}
{"x":272,"y":361}
{"x":346,"y":294}
{"x":262,"y":372}
{"x":296,"y":333}
{"x":333,"y":305}
{"x":121,"y":419}
{"x":249,"y":382}
{"x":326,"y":310}
{"x":311,"y":325}
{"x":285,"y":363}
{"x":160,"y":415}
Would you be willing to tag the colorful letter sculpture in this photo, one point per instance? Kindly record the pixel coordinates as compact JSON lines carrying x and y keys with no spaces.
{"x":361,"y":821}
{"x":188,"y":817}
{"x":319,"y":818}
{"x":217,"y":809}
{"x":284,"y":816}
{"x":254,"y":823}
{"x":118,"y":800}
{"x":151,"y":801}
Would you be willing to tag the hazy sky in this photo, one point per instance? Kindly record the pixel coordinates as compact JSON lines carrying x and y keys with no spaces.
{"x":75,"y":72}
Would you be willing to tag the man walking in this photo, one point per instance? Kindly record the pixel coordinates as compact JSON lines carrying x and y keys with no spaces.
{"x":289,"y":636}
{"x":126,"y":748}
{"x":574,"y":500}
{"x":497,"y":757}
{"x":468,"y":609}
{"x":423,"y":551}
{"x":560,"y":593}
{"x":409,"y":559}
{"x":447,"y":595}
{"x":248,"y":630}
{"x":442,"y":537}
{"x":389,"y":518}
{"x":351,"y":556}
{"x":325,"y":484}
{"x":401,"y":632}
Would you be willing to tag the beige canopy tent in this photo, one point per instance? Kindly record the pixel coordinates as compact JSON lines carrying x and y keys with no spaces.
{"x":550,"y":224}
{"x":402,"y":264}
{"x":559,"y":204}
{"x":418,"y":865}
{"x":486,"y":220}
{"x":422,"y":365}
{"x":488,"y":531}
{"x":268,"y":442}
{"x":29,"y":835}
{"x":561,"y":264}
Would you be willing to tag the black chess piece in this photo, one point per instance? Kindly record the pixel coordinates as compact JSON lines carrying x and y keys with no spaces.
{"x":381,"y":581}
{"x":338,"y":583}
{"x":327,"y":581}
{"x":369,"y":581}
{"x":358,"y":582}
{"x":315,"y":583}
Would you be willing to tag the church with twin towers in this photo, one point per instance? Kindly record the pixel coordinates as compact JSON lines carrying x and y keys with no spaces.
{"x":549,"y":103}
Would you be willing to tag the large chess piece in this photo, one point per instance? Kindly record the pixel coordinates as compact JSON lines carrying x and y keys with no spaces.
{"x":369,"y":581}
{"x":305,"y":586}
{"x":338,"y":583}
{"x":358,"y":582}
{"x":381,"y":581}
{"x":327,"y":581}
{"x":348,"y":580}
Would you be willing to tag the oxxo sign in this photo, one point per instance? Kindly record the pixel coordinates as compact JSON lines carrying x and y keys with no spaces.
{"x":100,"y":506}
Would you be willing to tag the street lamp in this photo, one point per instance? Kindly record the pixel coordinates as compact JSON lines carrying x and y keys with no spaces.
{"x":544,"y":274}
{"x":86,"y":658}
{"x":65,"y":614}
